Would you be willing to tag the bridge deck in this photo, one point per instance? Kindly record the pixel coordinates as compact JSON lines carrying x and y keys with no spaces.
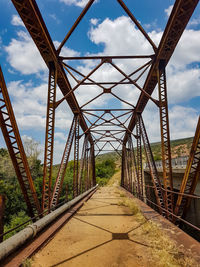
{"x":106,"y":233}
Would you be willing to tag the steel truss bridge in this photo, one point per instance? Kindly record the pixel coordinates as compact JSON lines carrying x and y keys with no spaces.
{"x":93,"y":130}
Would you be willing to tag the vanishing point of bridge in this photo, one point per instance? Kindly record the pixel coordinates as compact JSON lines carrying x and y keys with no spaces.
{"x":94,"y":130}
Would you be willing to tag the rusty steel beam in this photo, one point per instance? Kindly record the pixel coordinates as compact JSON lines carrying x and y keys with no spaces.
{"x":152,"y":166}
{"x":106,"y":57}
{"x":49,"y":139}
{"x":93,"y":166}
{"x":122,"y":166}
{"x":191,"y":176}
{"x":32,"y":19}
{"x":63,"y":165}
{"x":136,"y":22}
{"x":76,"y":159}
{"x":178,"y":20}
{"x":129,"y":165}
{"x":79,"y":83}
{"x":165,"y":141}
{"x":16,"y":150}
{"x":82,"y":165}
{"x":87,"y":7}
{"x":134,"y":168}
{"x":139,"y":159}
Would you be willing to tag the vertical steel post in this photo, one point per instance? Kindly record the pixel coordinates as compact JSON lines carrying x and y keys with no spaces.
{"x":134,"y":170}
{"x":130,"y":166}
{"x":49,"y":139}
{"x":93,"y":166}
{"x":123,"y":166}
{"x":63,"y":166}
{"x":90,"y":168}
{"x":86,"y":168}
{"x":2,"y":208}
{"x":125,"y":169}
{"x":82,"y":166}
{"x":139,"y":158}
{"x":152,"y":166}
{"x":76,"y":158}
{"x":191,"y":176}
{"x":165,"y":139}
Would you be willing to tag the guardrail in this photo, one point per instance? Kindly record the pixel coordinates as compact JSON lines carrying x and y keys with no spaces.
{"x":177,"y":163}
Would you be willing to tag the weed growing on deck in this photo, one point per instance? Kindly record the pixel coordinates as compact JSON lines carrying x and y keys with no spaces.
{"x":27,"y":263}
{"x":162,"y":249}
{"x":129,"y":203}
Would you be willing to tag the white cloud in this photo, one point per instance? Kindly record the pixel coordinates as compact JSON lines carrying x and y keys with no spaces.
{"x":66,"y":52}
{"x":187,"y":50}
{"x":61,"y":136}
{"x":112,"y":32}
{"x":194,"y":21}
{"x":169,"y":10}
{"x":29,"y":104}
{"x":79,"y":3}
{"x":183,"y":85}
{"x":24,"y":56}
{"x":16,"y":21}
{"x":94,"y":21}
{"x":182,"y":120}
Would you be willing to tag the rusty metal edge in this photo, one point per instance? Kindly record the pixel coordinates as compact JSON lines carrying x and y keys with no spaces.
{"x":17,"y":258}
{"x":174,"y":232}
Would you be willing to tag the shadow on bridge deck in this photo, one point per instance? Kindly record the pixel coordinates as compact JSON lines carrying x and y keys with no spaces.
{"x":104,"y":233}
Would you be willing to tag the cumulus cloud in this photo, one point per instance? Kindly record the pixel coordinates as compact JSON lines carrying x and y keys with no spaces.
{"x":23,"y":55}
{"x":16,"y":21}
{"x":187,"y":50}
{"x":183,"y":121}
{"x":94,"y":21}
{"x":79,"y":3}
{"x":194,"y":22}
{"x":29,"y":103}
{"x":66,"y":52}
{"x":122,"y":32}
{"x":169,"y":10}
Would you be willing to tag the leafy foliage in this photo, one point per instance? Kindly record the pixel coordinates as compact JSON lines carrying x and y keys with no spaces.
{"x":104,"y":171}
{"x":15,"y":209}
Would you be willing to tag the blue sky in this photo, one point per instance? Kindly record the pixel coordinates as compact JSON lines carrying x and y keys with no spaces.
{"x":104,"y":30}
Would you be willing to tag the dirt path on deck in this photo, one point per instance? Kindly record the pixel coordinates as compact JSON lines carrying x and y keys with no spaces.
{"x":104,"y":233}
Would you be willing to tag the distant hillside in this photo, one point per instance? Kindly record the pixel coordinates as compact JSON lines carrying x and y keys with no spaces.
{"x":179,"y":147}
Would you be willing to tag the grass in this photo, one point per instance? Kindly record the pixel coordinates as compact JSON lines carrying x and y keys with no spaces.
{"x":163,"y":251}
{"x":115,"y":179}
{"x":126,"y":202}
{"x":27,"y":263}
